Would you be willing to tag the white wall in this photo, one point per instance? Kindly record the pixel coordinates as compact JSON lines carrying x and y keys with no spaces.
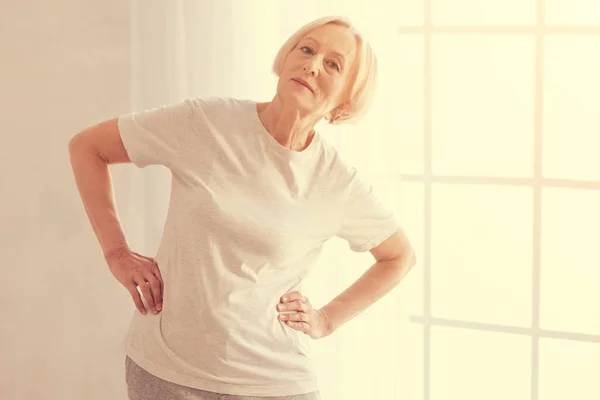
{"x":65,"y":66}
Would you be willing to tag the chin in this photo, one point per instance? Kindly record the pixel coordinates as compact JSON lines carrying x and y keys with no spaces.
{"x":299,"y":100}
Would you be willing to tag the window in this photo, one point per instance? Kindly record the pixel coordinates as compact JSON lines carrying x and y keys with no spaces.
{"x":508,"y":173}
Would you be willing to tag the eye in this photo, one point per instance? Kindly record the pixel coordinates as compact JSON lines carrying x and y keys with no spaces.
{"x":334,"y":65}
{"x":306,"y":47}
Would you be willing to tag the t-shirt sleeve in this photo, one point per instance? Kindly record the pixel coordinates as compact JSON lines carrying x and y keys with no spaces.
{"x":366,"y":221}
{"x":158,"y":135}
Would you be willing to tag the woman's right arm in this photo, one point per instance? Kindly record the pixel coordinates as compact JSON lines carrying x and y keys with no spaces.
{"x":91,"y":151}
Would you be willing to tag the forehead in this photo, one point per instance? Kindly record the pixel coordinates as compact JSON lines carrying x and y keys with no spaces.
{"x":335,"y":38}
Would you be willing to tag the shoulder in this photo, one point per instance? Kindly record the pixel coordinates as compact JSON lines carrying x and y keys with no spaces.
{"x":217,"y":105}
{"x":189,"y":105}
{"x":337,"y":169}
{"x":336,"y":161}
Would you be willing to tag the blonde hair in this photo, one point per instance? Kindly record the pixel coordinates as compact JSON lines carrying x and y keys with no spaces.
{"x":362,"y":79}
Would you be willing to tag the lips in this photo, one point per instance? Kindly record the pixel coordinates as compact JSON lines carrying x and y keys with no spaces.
{"x":302,"y":82}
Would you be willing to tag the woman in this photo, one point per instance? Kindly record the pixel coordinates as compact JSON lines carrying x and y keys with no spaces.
{"x":255,"y":194}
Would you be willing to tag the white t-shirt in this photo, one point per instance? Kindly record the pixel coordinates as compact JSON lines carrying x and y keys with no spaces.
{"x":246,"y":222}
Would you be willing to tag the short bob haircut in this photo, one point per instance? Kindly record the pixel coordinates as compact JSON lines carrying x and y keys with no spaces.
{"x":362,"y":79}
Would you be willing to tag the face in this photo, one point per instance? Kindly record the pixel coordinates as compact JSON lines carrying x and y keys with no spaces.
{"x":323,"y":61}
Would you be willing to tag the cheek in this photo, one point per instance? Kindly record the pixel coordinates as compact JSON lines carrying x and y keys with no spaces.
{"x":294,"y":60}
{"x":335,"y":89}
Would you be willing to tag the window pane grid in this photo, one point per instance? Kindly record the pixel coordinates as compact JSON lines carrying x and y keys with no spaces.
{"x":501,"y":30}
{"x":540,"y":30}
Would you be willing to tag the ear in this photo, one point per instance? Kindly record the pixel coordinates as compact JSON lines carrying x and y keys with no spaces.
{"x":334,"y":114}
{"x":344,"y":106}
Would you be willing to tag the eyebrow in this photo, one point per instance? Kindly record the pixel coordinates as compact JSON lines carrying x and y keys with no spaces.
{"x":334,"y":52}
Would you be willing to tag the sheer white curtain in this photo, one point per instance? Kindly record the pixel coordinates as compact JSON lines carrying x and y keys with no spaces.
{"x":226,"y":48}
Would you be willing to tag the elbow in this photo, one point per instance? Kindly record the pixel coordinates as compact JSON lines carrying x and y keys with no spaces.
{"x":80,"y":148}
{"x":406,"y":259}
{"x":74,"y":143}
{"x":79,"y":143}
{"x":410,"y":258}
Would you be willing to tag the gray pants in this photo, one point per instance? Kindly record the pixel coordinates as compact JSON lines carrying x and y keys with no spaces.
{"x":142,"y":385}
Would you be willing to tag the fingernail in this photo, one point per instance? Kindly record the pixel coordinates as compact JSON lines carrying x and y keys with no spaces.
{"x":159,"y":307}
{"x":285,"y":298}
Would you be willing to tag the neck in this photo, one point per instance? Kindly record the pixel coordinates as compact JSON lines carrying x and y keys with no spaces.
{"x":289,"y":125}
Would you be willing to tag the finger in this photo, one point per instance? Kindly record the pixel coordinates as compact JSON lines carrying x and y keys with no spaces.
{"x":158,"y":275}
{"x":155,"y":270}
{"x":144,"y":257}
{"x":154,"y":284}
{"x":299,"y":326}
{"x":141,"y":282}
{"x":295,"y":317}
{"x":302,"y":298}
{"x":292,"y":296}
{"x":162,"y":292}
{"x":135,"y":295}
{"x":300,"y":306}
{"x":161,"y":287}
{"x":152,"y":260}
{"x":294,"y":306}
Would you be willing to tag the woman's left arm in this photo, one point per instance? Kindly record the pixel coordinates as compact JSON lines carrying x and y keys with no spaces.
{"x":395,"y":257}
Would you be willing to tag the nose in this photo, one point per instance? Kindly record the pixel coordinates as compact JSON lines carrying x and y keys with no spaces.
{"x":311,"y":66}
